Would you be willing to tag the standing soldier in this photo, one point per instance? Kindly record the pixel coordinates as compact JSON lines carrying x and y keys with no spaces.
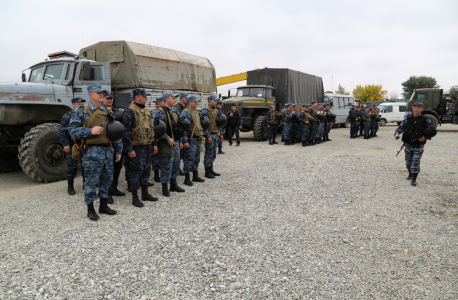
{"x":90,"y":122}
{"x":222,"y":129}
{"x":211,"y":136}
{"x":191,"y":142}
{"x":156,"y":157}
{"x":288,"y":119}
{"x":358,"y":120}
{"x":361,"y":120}
{"x":413,"y":127}
{"x":170,"y":163}
{"x":377,"y":119}
{"x":295,"y":127}
{"x":313,"y":112}
{"x":67,"y":141}
{"x":139,"y":145}
{"x":329,"y":122}
{"x":273,"y":122}
{"x":352,"y":116}
{"x":234,"y":124}
{"x":285,"y":107}
{"x":178,"y":109}
{"x":321,"y":121}
{"x":367,"y":121}
{"x":304,"y":121}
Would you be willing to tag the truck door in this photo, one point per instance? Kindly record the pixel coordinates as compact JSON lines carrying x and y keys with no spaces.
{"x":100,"y":73}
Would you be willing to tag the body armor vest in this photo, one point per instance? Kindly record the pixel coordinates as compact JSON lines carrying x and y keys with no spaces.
{"x":100,"y":118}
{"x":414,"y":130}
{"x":171,"y":120}
{"x":273,"y":118}
{"x":212,"y":114}
{"x":144,"y":135}
{"x":197,"y":124}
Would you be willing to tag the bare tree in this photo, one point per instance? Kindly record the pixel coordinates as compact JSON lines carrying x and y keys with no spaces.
{"x":393,"y":95}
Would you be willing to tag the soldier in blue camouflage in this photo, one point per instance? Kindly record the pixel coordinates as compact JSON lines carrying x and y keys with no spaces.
{"x":377,"y":119}
{"x":156,"y":157}
{"x":178,"y":108}
{"x":329,"y":123}
{"x":367,"y":121}
{"x":305,"y":124}
{"x":285,"y":107}
{"x":414,"y":140}
{"x":288,"y":123}
{"x":211,"y":136}
{"x":67,"y":141}
{"x":191,"y":142}
{"x":98,"y":157}
{"x":140,"y":145}
{"x":273,"y":122}
{"x":352,"y":117}
{"x":170,"y":166}
{"x":222,"y":129}
{"x":321,"y":122}
{"x":313,"y":112}
{"x":295,"y":125}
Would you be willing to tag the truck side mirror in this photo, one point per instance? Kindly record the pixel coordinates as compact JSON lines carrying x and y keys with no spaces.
{"x":23,"y":78}
{"x":274,"y":92}
{"x":86,"y":70}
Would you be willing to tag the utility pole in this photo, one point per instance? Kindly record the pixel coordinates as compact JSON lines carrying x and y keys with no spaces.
{"x":332,"y":84}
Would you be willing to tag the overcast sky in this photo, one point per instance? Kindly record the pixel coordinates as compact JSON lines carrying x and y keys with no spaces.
{"x":356,"y":42}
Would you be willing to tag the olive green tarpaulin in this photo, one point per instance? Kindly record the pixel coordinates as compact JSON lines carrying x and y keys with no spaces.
{"x":139,"y":65}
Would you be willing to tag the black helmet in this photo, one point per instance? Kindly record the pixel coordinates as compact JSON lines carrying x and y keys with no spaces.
{"x":311,"y":120}
{"x":186,"y":124}
{"x":333,"y":116}
{"x":118,"y":114}
{"x":372,"y":117}
{"x":115,"y":130}
{"x":221,"y":120}
{"x":429,"y":132}
{"x":159,"y":129}
{"x":205,"y":123}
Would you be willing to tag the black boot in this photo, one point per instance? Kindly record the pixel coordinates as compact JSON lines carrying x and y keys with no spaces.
{"x":157,"y":178}
{"x":71,"y":188}
{"x":304,"y":144}
{"x":270,"y":142}
{"x":274,"y":142}
{"x":287,"y":143}
{"x":135,"y":201}
{"x":352,"y":136}
{"x":292,"y":142}
{"x":187,"y":180}
{"x":91,"y":214}
{"x":327,"y":139}
{"x":114,"y":190}
{"x":213,"y":172}
{"x":104,"y":209}
{"x":196,"y":178}
{"x":414,"y":179}
{"x":147,"y":196}
{"x":174,"y":186}
{"x":165,"y":190}
{"x":181,"y":173}
{"x":220,"y":151}
{"x":149,"y":184}
{"x":366,"y":137}
{"x":208,"y":174}
{"x":409,"y":177}
{"x":282,"y":140}
{"x":110,"y":197}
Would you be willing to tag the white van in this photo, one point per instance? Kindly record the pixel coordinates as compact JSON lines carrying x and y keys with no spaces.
{"x":392,"y":112}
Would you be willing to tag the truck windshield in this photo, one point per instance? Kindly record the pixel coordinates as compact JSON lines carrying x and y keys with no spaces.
{"x":381,"y":107}
{"x":36,"y":74}
{"x":53,"y":71}
{"x":253,"y":92}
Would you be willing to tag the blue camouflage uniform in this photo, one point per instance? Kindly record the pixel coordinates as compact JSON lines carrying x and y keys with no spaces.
{"x":210,"y":149}
{"x":352,"y":116}
{"x":305,"y":126}
{"x":66,"y":140}
{"x":320,"y":128}
{"x":283,"y":129}
{"x":178,"y":108}
{"x":221,"y":129}
{"x":273,"y":125}
{"x":313,"y":127}
{"x":191,"y":154}
{"x":97,"y":161}
{"x":170,"y":166}
{"x":156,"y":157}
{"x":233,"y":124}
{"x":287,"y":126}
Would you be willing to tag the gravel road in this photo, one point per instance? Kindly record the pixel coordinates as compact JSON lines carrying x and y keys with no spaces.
{"x":333,"y":221}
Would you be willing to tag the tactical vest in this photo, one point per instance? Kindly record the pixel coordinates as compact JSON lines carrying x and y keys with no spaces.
{"x":285,"y":118}
{"x":197,"y":124}
{"x":212,"y":115}
{"x":273,"y":118}
{"x":171,"y":120}
{"x":99,"y":119}
{"x":144,"y":134}
{"x":414,"y":130}
{"x":314,"y":112}
{"x":181,"y":107}
{"x":377,"y":111}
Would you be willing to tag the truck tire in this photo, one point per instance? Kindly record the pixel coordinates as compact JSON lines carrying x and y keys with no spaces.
{"x":433,"y":119}
{"x":41,"y":154}
{"x":382,"y":122}
{"x":260,"y":130}
{"x":9,"y":161}
{"x":346,"y":124}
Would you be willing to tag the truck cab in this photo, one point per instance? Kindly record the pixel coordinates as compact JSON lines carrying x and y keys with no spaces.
{"x":253,"y":102}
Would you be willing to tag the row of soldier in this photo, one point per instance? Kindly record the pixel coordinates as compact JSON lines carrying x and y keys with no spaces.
{"x":309,"y":125}
{"x":185,"y":129}
{"x":364,"y":121}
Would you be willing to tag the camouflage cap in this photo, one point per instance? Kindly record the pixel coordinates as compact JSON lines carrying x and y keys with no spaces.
{"x":219,"y":102}
{"x":353,"y":105}
{"x":78,"y":99}
{"x":169,"y":94}
{"x":328,"y":104}
{"x":107,"y":94}
{"x":418,"y":104}
{"x":159,"y":99}
{"x":306,"y":105}
{"x":313,"y":102}
{"x":139,"y":92}
{"x":295,"y":105}
{"x":272,"y":106}
{"x":286,"y":104}
{"x":183,"y":95}
{"x":193,"y":98}
{"x":212,"y":97}
{"x":95,"y":88}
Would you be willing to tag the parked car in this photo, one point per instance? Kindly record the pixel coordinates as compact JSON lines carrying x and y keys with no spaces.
{"x":392,"y":112}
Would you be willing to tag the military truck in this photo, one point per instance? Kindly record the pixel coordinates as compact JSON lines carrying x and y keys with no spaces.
{"x":30,"y":111}
{"x":436,"y":107}
{"x":272,"y":86}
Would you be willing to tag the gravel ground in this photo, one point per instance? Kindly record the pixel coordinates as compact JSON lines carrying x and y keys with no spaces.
{"x":337,"y":220}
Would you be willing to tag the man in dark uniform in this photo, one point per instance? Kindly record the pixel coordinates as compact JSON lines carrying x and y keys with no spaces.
{"x":67,"y":141}
{"x":90,"y":122}
{"x":312,"y":130}
{"x":358,"y":120}
{"x":234,"y":124}
{"x":329,"y":120}
{"x":352,"y":116}
{"x":212,"y":134}
{"x":288,"y":114}
{"x":156,"y":157}
{"x":222,"y":129}
{"x":305,"y":125}
{"x":361,"y":120}
{"x":178,"y":109}
{"x":140,"y":145}
{"x":377,"y":119}
{"x":273,"y":122}
{"x":367,"y":121}
{"x":414,"y":140}
{"x":295,"y":125}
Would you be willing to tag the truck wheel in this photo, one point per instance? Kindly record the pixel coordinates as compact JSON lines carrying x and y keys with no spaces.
{"x":433,"y":119}
{"x":346,"y":124}
{"x":260,"y":130}
{"x":382,"y":122}
{"x":42,"y":155}
{"x":9,"y":161}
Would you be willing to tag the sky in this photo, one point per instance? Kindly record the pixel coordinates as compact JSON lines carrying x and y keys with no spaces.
{"x":344,"y":42}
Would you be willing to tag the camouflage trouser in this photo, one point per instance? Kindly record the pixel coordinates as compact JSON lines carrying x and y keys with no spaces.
{"x":210,"y":151}
{"x":413,"y":156}
{"x":312,"y":131}
{"x":353,"y":128}
{"x":305,"y":131}
{"x":98,"y":169}
{"x":126,"y":169}
{"x":170,"y":166}
{"x":376,"y":126}
{"x":72,"y":166}
{"x":361,"y":127}
{"x":117,"y":168}
{"x":367,"y":126}
{"x":230,"y":133}
{"x":295,"y":131}
{"x":139,"y":167}
{"x":156,"y":162}
{"x":192,"y":155}
{"x":319,"y":130}
{"x":327,"y":129}
{"x":273,"y":130}
{"x":287,"y":126}
{"x":373,"y":123}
